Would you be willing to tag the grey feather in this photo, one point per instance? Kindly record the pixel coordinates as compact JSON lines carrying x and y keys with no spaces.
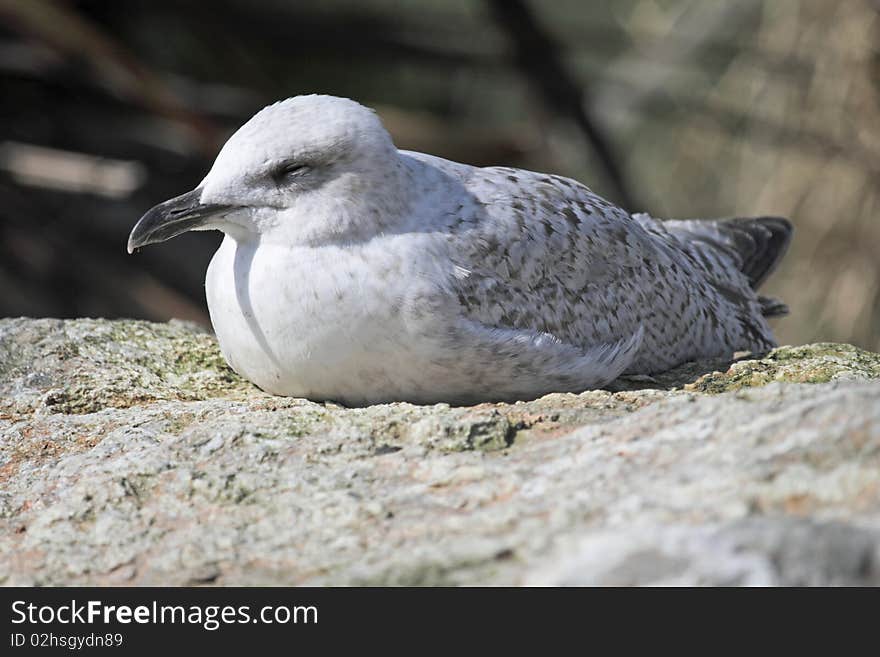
{"x":757,"y":244}
{"x":545,"y":254}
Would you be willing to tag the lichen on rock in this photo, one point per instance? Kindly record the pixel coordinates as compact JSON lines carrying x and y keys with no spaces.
{"x":85,"y":366}
{"x":130,"y":453}
{"x":815,"y":363}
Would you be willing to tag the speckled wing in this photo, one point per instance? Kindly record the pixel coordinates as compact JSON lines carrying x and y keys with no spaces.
{"x":735,"y":256}
{"x":543,"y":253}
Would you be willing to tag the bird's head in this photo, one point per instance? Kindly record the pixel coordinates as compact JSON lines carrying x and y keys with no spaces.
{"x":304,"y":169}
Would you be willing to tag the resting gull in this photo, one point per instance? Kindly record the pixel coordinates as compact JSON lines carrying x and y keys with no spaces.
{"x":356,"y":272}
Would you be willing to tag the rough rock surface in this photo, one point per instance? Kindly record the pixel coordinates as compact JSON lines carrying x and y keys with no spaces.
{"x":130,"y":454}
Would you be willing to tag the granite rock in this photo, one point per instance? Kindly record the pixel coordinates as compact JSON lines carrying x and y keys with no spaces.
{"x":130,"y":454}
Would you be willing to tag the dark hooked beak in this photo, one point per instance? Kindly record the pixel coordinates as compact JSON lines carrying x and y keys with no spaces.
{"x":173,"y":217}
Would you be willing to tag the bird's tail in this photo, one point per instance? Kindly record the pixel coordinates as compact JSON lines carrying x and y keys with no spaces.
{"x":756,"y":246}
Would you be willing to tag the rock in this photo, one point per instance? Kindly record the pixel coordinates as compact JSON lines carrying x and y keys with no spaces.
{"x":130,"y":454}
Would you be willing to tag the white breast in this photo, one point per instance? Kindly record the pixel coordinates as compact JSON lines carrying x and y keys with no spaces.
{"x":325,"y":322}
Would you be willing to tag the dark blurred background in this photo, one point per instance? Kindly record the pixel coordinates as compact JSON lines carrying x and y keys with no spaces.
{"x":678,"y":107}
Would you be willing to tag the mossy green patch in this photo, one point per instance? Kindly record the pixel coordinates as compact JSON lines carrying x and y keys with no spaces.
{"x":815,"y":363}
{"x":87,"y":365}
{"x":300,"y":422}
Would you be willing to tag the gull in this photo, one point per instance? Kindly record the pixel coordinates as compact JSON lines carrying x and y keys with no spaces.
{"x":355,"y":272}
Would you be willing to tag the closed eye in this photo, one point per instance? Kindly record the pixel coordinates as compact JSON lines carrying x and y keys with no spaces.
{"x":290,"y":170}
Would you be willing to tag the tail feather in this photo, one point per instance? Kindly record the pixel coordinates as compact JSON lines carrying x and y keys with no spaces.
{"x":770,"y":237}
{"x":771,"y":307}
{"x":756,"y":245}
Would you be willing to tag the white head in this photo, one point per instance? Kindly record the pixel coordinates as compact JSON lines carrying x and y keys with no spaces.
{"x":304,"y":170}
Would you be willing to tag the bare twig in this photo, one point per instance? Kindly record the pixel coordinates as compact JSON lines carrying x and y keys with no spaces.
{"x":538,"y":57}
{"x":63,"y":29}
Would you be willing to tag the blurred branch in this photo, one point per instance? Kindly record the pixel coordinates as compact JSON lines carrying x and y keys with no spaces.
{"x":732,"y":121}
{"x":60,"y":27}
{"x":54,"y":252}
{"x":693,"y":35}
{"x":538,"y":57}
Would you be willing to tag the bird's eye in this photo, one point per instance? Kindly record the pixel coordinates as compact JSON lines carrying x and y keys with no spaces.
{"x":290,"y":170}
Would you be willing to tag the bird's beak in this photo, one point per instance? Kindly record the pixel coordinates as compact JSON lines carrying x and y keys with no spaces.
{"x":173,"y":217}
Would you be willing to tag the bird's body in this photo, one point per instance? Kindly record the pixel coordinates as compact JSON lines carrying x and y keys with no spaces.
{"x":391,"y":275}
